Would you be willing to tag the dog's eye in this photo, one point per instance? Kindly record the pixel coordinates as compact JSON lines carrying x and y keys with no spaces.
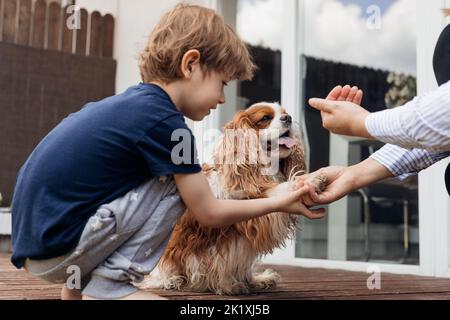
{"x":266,"y":118}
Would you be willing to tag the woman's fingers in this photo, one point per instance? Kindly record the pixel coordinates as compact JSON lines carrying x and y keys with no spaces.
{"x":335,"y":93}
{"x":344,"y":93}
{"x":352,"y":94}
{"x":314,"y":214}
{"x":322,"y":104}
{"x":308,"y":201}
{"x":358,"y":97}
{"x":315,"y":197}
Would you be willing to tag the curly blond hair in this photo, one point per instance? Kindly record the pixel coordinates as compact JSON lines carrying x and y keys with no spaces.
{"x":189,"y":27}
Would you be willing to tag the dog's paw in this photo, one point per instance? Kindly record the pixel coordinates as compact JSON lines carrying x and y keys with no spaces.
{"x":234,"y":289}
{"x":150,"y":282}
{"x":174,"y":283}
{"x":318,"y":180}
{"x":265,"y":280}
{"x":157,"y":282}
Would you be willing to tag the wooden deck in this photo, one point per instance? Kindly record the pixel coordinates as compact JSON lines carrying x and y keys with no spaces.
{"x":297,"y":283}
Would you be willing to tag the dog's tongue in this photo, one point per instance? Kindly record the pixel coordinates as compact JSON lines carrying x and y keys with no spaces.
{"x":286,"y":141}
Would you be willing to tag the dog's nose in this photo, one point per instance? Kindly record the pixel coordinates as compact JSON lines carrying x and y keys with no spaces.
{"x":286,"y":119}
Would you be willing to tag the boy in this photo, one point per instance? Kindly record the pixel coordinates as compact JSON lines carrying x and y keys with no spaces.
{"x":100,"y":195}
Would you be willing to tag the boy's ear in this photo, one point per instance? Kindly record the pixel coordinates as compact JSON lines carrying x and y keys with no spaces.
{"x":189,"y":60}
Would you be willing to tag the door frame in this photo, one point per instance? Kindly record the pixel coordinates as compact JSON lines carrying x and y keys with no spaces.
{"x":434,"y":203}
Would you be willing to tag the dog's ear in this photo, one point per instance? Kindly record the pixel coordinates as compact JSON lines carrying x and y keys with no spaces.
{"x":239,"y":121}
{"x":237,"y":159}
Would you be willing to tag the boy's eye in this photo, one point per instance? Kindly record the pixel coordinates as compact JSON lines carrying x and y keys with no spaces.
{"x":266,"y":118}
{"x":224,"y":83}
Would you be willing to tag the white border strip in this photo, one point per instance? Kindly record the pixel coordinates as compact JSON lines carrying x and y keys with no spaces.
{"x":5,"y":223}
{"x":356,"y":266}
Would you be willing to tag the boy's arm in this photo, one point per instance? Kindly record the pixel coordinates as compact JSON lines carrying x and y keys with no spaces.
{"x":211,"y":212}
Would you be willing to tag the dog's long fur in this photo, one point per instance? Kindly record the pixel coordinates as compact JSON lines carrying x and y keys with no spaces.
{"x":222,"y":260}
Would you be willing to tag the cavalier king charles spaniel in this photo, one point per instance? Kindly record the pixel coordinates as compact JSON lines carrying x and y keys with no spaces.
{"x":259,"y":155}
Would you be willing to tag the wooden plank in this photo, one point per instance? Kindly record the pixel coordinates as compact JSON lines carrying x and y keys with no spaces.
{"x":39,"y":17}
{"x":67,"y":34}
{"x":95,"y":40}
{"x":24,"y":28}
{"x":311,"y":284}
{"x":9,"y":20}
{"x":108,"y":36}
{"x":54,"y":26}
{"x":81,"y":43}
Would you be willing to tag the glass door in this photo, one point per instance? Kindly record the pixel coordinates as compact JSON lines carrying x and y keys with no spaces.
{"x":370,"y":44}
{"x":386,"y":49}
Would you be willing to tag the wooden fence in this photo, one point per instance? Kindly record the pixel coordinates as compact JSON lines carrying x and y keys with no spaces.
{"x":37,"y":24}
{"x":47,"y":71}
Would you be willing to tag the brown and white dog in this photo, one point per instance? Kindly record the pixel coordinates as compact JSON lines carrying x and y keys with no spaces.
{"x":223,"y":260}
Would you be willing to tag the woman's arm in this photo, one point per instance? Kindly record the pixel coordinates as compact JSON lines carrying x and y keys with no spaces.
{"x":403,"y":163}
{"x":422,"y":123}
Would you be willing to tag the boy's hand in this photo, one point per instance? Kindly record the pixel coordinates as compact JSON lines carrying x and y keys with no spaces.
{"x":292,"y":203}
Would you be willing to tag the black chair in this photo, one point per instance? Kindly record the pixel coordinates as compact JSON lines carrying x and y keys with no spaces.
{"x":387,"y":191}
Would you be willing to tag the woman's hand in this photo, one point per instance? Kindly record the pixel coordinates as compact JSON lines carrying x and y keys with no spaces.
{"x":339,"y":181}
{"x":341,"y":111}
{"x":293,"y":202}
{"x":342,"y":117}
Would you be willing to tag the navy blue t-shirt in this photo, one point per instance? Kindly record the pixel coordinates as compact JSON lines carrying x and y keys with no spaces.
{"x":91,"y":158}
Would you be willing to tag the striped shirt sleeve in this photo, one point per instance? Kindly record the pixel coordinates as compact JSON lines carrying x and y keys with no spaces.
{"x":403,"y":163}
{"x":423,"y":123}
